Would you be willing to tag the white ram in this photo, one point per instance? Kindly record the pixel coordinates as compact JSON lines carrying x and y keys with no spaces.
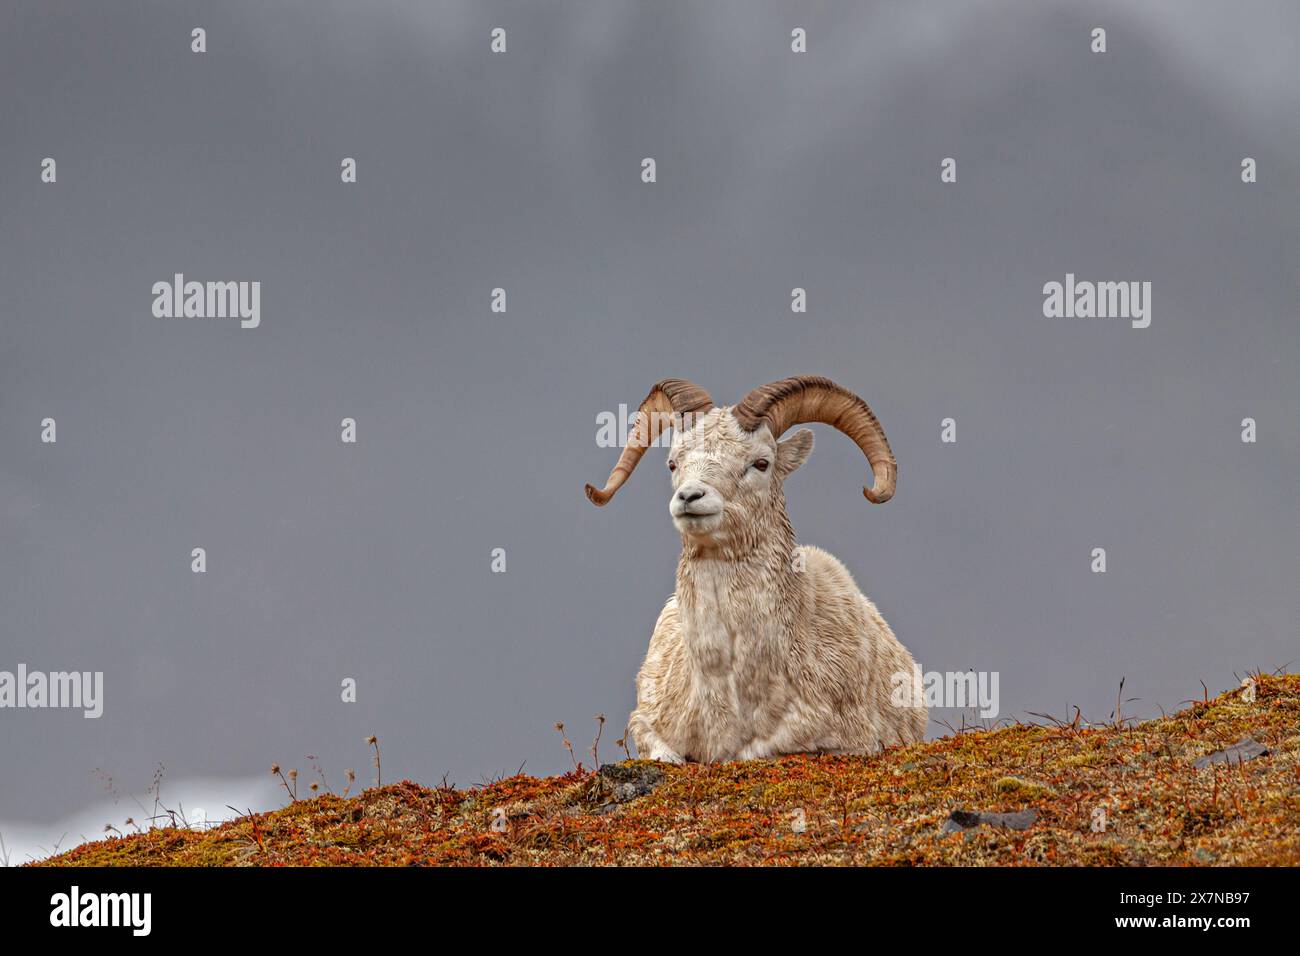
{"x":766,"y":648}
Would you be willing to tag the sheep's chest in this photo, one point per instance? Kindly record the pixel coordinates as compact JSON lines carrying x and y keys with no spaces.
{"x":737,"y":690}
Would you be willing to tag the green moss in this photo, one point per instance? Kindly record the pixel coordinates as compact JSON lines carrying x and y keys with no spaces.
{"x":1021,"y":788}
{"x":1092,"y":758}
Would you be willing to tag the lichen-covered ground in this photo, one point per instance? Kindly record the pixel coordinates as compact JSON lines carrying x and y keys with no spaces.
{"x":813,"y":810}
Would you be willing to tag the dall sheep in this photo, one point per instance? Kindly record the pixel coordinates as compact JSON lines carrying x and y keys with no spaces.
{"x":765,"y":648}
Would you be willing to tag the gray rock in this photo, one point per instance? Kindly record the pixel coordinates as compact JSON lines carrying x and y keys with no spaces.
{"x":960,"y":821}
{"x":622,"y":783}
{"x":1240,"y":752}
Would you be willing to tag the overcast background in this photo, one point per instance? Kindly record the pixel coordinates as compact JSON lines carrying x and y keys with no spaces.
{"x":477,"y":430}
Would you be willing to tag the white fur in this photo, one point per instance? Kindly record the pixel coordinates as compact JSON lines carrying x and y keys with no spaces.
{"x":765,"y":648}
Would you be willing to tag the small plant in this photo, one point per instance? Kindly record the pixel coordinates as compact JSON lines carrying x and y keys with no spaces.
{"x":257,"y":832}
{"x":595,"y":744}
{"x":568,"y":745}
{"x":315,"y":765}
{"x":106,"y":781}
{"x":379,"y":776}
{"x":292,"y":791}
{"x":1117,"y":717}
{"x":54,"y":851}
{"x":155,"y":787}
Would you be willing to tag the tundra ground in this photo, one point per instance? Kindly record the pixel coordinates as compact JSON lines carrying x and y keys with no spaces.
{"x":1114,"y":795}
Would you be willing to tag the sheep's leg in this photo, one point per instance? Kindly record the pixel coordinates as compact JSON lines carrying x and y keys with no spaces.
{"x":662,"y":752}
{"x":755,"y":750}
{"x":795,"y":736}
{"x":649,"y":745}
{"x":786,"y":740}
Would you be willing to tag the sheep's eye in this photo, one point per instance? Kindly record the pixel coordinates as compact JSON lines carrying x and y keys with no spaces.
{"x":761,"y":464}
{"x":672,"y":465}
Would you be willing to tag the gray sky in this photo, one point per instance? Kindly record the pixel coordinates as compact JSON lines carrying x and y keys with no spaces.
{"x":477,"y":430}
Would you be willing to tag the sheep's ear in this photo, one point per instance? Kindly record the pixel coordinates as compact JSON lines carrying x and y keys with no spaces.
{"x":793,"y":452}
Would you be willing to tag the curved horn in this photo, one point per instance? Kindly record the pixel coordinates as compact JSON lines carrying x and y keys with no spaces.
{"x":810,"y":398}
{"x":667,"y":400}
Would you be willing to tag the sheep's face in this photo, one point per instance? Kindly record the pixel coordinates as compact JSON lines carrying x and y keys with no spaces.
{"x":726,"y":481}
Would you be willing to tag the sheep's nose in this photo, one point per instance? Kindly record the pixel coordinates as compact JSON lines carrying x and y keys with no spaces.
{"x":688,"y":495}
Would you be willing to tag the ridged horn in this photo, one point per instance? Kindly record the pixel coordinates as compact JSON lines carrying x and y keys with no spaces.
{"x":811,"y":398}
{"x":667,"y":401}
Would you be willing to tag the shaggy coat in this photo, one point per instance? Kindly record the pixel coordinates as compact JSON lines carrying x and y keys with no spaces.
{"x":765,"y":648}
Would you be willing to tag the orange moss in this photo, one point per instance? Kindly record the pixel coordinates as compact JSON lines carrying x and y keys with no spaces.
{"x":810,"y":810}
